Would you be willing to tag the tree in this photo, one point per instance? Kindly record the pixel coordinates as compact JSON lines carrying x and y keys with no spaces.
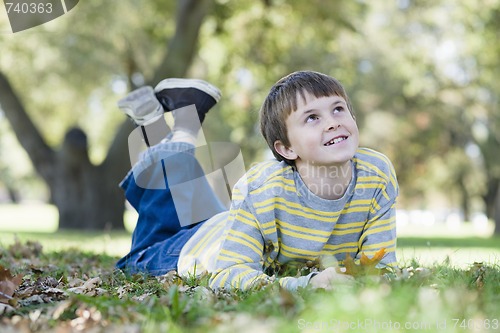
{"x":407,"y":104}
{"x":487,"y":97}
{"x":442,"y":91}
{"x":82,"y":189}
{"x":86,"y":194}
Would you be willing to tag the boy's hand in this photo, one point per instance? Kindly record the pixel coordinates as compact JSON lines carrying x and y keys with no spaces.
{"x":329,"y":279}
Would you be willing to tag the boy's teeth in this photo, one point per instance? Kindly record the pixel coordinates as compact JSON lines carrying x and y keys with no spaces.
{"x":336,"y":140}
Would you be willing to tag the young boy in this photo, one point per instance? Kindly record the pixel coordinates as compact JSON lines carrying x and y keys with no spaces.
{"x":322,"y":196}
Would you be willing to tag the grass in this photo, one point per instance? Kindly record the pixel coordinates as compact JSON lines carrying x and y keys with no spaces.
{"x":437,"y":298}
{"x":463,"y":244}
{"x":40,"y":218}
{"x":459,"y":252}
{"x":115,"y":243}
{"x":439,"y":289}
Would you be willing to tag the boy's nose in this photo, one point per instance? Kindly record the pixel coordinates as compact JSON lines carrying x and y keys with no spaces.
{"x":331,"y":123}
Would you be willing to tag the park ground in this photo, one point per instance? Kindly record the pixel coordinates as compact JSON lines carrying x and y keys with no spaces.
{"x":449,"y":282}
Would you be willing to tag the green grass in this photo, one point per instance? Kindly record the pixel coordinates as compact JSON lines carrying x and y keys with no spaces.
{"x":463,"y":245}
{"x":475,"y":242}
{"x":438,"y":290}
{"x":439,"y":298}
{"x":459,"y":252}
{"x":38,"y":222}
{"x":108,"y":243}
{"x":28,"y":217}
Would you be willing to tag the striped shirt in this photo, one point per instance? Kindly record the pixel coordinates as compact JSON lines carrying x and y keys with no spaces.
{"x":274,"y":219}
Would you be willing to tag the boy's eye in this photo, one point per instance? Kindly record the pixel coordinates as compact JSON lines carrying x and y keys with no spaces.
{"x":338,"y":109}
{"x":311,"y":118}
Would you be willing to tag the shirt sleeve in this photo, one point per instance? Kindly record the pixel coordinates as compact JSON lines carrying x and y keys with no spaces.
{"x":380,"y":229}
{"x":240,"y":262}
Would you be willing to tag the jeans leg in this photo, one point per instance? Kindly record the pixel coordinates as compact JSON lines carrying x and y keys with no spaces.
{"x":159,"y":234}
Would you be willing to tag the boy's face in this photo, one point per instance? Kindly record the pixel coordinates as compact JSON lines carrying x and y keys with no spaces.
{"x":321,"y":131}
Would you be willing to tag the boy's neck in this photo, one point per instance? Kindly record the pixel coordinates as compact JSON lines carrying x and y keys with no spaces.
{"x":327,"y":182}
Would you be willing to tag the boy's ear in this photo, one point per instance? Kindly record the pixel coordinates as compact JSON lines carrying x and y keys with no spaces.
{"x":285,"y":151}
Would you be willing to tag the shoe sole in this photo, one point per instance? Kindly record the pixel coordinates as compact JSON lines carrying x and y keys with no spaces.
{"x":126,"y":105}
{"x":136,"y":95}
{"x":190,"y":83}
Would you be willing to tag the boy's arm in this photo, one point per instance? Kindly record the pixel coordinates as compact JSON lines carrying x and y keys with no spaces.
{"x":240,"y":261}
{"x":380,"y":229}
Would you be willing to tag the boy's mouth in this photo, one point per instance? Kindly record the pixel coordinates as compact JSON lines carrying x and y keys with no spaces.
{"x":336,"y":140}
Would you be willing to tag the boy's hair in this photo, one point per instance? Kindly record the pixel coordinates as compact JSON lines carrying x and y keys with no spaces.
{"x":282,"y":100}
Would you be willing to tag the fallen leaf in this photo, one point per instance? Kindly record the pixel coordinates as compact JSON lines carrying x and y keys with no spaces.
{"x":365,"y":261}
{"x":478,"y":272}
{"x":366,"y":266}
{"x":92,"y":283}
{"x":8,"y":284}
{"x":141,"y":298}
{"x":90,"y":288}
{"x":350,"y":266}
{"x":34,"y":299}
{"x":75,"y":282}
{"x":122,"y":292}
{"x":29,"y":250}
{"x":60,"y":309}
{"x":5,"y":308}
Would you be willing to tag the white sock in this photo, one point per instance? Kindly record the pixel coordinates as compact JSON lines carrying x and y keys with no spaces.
{"x":180,"y":135}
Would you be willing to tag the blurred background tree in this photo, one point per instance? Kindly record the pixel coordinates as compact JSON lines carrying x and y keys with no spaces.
{"x":75,"y":69}
{"x":421,"y":75}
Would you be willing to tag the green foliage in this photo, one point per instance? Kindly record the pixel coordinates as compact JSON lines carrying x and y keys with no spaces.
{"x":83,"y":291}
{"x":422,"y":76}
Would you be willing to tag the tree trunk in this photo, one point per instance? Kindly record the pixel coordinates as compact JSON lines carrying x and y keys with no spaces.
{"x":464,"y":198}
{"x":41,"y":155}
{"x":86,"y":200}
{"x":13,"y":194}
{"x":183,"y":45}
{"x":492,"y":202}
{"x":497,"y":212}
{"x":88,"y":196}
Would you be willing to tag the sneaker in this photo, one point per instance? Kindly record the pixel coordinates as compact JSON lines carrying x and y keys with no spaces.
{"x":177,"y":93}
{"x":141,"y":106}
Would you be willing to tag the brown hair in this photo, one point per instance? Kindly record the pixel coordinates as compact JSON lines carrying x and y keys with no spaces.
{"x":282,"y":100}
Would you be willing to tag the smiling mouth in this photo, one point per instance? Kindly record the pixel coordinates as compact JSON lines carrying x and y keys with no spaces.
{"x":336,"y":140}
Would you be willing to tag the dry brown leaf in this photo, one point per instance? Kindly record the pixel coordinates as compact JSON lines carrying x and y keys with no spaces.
{"x":5,"y":308}
{"x":29,"y":249}
{"x":8,"y":284}
{"x":90,"y":288}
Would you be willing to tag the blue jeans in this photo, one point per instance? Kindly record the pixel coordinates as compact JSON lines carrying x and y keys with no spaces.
{"x":159,"y":235}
